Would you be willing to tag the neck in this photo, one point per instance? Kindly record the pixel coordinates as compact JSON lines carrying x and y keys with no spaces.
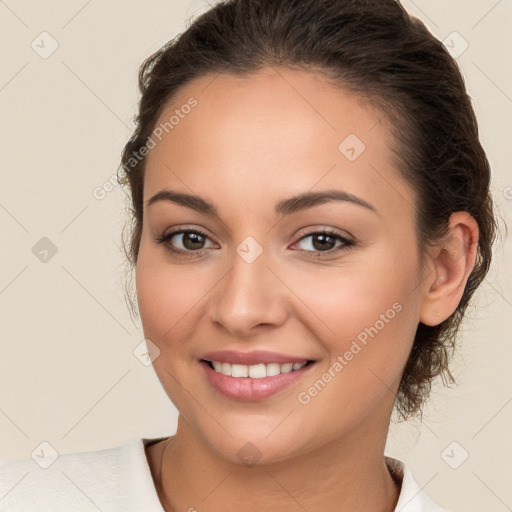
{"x":344,"y":475}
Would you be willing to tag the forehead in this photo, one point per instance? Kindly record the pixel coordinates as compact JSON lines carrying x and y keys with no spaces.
{"x":275,"y":131}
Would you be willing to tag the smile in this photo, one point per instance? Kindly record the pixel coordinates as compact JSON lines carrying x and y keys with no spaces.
{"x":255,"y":371}
{"x":253,"y":382}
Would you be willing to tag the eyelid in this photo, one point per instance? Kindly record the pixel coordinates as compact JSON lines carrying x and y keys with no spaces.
{"x":346,"y":243}
{"x":167,"y":235}
{"x":181,"y":228}
{"x":316,"y":229}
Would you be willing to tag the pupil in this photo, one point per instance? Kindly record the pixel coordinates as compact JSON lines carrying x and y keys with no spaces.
{"x":323,"y":245}
{"x":194,"y":237}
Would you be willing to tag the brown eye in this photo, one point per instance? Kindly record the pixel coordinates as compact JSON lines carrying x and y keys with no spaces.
{"x":192,"y":240}
{"x":184,"y":241}
{"x":324,"y":242}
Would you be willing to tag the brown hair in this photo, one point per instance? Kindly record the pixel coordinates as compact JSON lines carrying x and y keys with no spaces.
{"x":376,"y":50}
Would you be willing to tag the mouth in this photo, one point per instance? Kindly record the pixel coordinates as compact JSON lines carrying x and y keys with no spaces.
{"x":255,"y":371}
{"x":254,"y":382}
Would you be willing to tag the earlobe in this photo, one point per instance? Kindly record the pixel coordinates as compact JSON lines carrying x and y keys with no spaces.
{"x":452,"y":262}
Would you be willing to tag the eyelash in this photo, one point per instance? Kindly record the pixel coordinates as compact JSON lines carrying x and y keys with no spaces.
{"x":165,"y":239}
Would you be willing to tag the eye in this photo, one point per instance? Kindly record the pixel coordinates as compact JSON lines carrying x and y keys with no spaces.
{"x":325,"y":242}
{"x":189,"y":240}
{"x":192,"y":242}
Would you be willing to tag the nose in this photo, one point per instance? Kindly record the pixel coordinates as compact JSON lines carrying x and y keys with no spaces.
{"x":250,"y":297}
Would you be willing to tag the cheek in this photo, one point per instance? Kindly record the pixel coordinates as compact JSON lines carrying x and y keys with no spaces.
{"x":367,"y":330}
{"x":166,"y":299}
{"x":171,"y":298}
{"x":364,"y":311}
{"x":342,"y":301}
{"x":150,"y":297}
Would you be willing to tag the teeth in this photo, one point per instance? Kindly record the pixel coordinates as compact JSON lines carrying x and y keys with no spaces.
{"x":286,"y":368}
{"x":239,"y":370}
{"x":272,"y":369}
{"x":255,"y":371}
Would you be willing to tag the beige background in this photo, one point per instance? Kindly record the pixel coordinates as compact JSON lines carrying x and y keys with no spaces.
{"x":68,"y":375}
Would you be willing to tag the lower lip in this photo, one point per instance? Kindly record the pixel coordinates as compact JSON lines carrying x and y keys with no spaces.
{"x":249,"y":389}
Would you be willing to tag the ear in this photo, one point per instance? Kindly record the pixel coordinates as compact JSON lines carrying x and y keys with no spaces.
{"x":451,"y":264}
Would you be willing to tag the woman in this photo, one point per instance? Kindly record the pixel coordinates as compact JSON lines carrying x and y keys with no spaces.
{"x":311,"y":216}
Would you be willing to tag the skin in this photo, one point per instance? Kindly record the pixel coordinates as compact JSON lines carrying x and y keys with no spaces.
{"x":250,"y":142}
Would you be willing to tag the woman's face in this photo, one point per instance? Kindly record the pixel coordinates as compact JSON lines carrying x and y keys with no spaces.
{"x":263,"y":278}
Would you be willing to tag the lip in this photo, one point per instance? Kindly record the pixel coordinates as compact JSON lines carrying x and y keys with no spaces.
{"x":250,"y":389}
{"x":254,"y":357}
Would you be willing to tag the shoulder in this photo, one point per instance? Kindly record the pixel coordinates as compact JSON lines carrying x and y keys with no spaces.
{"x":412,"y":497}
{"x":110,"y":479}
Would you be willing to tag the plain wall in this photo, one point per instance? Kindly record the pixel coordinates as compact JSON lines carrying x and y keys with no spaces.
{"x":68,"y":374}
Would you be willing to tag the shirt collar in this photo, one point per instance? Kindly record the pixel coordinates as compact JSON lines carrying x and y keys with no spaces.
{"x":412,"y":497}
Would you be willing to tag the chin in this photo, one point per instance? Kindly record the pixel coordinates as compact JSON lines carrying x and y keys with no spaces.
{"x":256,"y":452}
{"x":256,"y":446}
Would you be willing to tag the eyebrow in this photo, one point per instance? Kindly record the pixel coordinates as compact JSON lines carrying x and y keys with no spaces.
{"x":284,"y":207}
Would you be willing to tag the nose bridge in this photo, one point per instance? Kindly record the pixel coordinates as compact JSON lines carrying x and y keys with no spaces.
{"x":250,"y":295}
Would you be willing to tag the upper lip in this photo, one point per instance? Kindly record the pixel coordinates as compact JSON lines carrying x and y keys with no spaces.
{"x":250,"y":358}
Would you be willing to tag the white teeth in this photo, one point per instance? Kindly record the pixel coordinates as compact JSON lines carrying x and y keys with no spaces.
{"x":273,"y":369}
{"x":286,"y":367}
{"x":239,"y":370}
{"x":256,"y":371}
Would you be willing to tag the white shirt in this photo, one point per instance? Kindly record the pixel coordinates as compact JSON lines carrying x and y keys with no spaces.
{"x":119,"y":479}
